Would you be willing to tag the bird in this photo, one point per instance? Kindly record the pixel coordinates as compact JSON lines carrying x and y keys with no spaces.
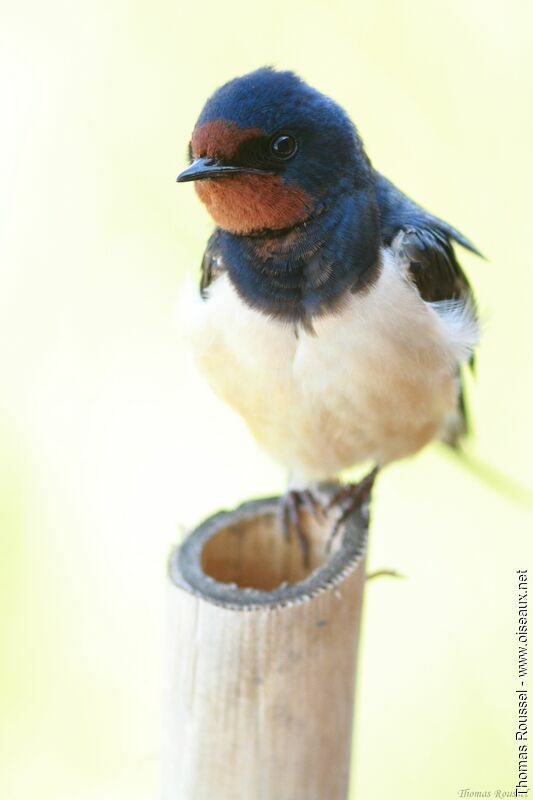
{"x":333,"y":313}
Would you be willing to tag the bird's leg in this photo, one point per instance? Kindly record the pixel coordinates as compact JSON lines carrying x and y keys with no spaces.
{"x":349,"y":497}
{"x":292,"y":504}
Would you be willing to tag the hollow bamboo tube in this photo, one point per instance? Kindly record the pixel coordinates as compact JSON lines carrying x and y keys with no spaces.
{"x":262,"y":659}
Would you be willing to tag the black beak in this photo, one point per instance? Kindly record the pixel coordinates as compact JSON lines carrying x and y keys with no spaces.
{"x":203,"y":168}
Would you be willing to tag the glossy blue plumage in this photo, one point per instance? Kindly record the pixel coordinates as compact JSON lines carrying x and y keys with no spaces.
{"x":307,"y":270}
{"x":300,"y":281}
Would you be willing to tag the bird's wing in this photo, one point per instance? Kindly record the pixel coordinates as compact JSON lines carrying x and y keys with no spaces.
{"x":212,"y":263}
{"x":427,"y":245}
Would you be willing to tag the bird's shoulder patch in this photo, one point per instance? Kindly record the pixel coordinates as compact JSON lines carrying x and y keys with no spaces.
{"x":212,"y":264}
{"x":427,"y":256}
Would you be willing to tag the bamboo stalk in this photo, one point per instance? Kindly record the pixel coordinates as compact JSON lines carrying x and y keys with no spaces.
{"x":262,"y":660}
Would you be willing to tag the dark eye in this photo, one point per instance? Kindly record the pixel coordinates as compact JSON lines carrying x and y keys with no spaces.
{"x":283,"y":146}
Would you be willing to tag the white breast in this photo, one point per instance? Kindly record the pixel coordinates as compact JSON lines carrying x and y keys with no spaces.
{"x":375,"y":382}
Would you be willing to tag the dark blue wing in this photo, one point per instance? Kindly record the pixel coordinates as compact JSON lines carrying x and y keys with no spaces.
{"x":428,"y":244}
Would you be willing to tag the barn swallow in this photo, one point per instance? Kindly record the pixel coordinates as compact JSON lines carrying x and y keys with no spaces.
{"x":336,"y":318}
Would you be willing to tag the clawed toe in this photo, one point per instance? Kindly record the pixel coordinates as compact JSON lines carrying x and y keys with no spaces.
{"x":291,"y":507}
{"x":348,"y":499}
{"x":297,"y":504}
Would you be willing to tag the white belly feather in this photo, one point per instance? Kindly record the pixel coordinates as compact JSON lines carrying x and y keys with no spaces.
{"x":376,"y":382}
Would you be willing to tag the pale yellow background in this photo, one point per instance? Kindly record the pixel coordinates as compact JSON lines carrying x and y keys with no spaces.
{"x":110,"y":445}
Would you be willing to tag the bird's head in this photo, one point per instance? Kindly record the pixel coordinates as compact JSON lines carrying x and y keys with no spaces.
{"x":269,"y":152}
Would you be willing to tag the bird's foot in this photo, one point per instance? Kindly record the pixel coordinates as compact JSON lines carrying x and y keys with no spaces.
{"x":293,"y":505}
{"x":349,"y":498}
